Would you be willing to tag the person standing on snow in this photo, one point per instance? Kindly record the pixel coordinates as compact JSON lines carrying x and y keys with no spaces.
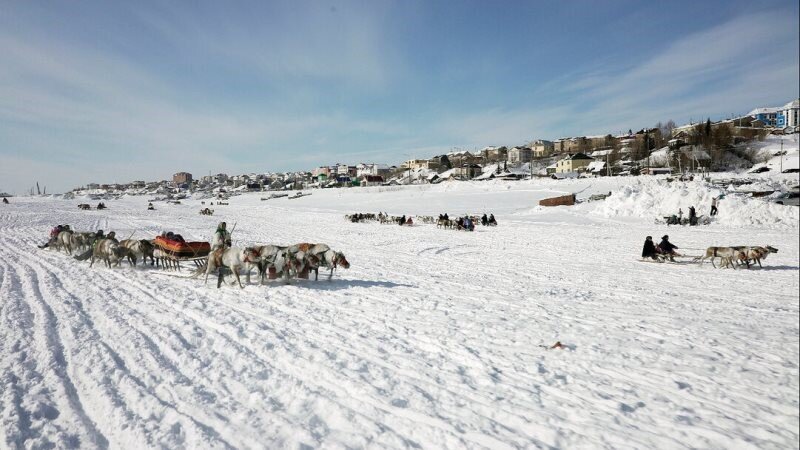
{"x":714,"y":205}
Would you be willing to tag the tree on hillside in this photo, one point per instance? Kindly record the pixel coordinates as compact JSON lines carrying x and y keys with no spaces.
{"x":665,"y":130}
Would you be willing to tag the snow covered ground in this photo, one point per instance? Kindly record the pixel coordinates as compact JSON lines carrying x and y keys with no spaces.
{"x":432,"y":339}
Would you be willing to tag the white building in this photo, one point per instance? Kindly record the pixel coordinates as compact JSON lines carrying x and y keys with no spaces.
{"x":519,"y":155}
{"x":371,"y":169}
{"x":790,"y":112}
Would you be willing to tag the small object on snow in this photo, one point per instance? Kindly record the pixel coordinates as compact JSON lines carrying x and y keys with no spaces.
{"x":557,"y":345}
{"x":564,"y":200}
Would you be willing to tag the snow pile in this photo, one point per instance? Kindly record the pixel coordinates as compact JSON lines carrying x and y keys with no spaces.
{"x":662,"y":198}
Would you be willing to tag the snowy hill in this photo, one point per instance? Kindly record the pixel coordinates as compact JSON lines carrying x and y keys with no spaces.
{"x":432,"y":339}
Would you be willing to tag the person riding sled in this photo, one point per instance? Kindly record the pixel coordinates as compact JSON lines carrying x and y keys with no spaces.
{"x":649,"y":249}
{"x":665,"y":247}
{"x":54,"y":235}
{"x":468,"y":225}
{"x":484,"y":220}
{"x":492,"y":221}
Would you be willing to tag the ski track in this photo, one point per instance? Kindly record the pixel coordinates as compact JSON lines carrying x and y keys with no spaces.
{"x":433,"y":339}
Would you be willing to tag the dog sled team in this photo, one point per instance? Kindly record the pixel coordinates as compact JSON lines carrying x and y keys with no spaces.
{"x":729,"y":256}
{"x":270,"y":261}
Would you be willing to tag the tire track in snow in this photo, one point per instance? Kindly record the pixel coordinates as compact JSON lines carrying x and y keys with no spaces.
{"x":119,"y":363}
{"x":16,"y":368}
{"x":230,"y":335}
{"x":48,"y":343}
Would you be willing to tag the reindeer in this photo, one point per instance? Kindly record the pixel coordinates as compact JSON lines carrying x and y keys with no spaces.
{"x":726,"y":255}
{"x":109,"y":251}
{"x":287,"y":261}
{"x":326,"y":257}
{"x":136,"y":249}
{"x":64,"y":241}
{"x":754,"y":254}
{"x":233,"y":258}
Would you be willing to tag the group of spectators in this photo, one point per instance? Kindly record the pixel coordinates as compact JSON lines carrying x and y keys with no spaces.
{"x":677,"y":219}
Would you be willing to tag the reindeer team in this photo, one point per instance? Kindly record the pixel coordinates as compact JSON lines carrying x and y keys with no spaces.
{"x":286,"y":261}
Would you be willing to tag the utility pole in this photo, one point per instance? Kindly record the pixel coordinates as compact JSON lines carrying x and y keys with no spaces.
{"x":781,"y":154}
{"x":530,"y":161}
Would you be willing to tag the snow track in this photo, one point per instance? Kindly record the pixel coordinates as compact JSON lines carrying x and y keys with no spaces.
{"x":433,"y":339}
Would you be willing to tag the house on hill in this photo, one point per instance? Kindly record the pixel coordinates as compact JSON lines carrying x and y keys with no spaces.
{"x":370,"y":180}
{"x":576,"y":162}
{"x":519,"y":155}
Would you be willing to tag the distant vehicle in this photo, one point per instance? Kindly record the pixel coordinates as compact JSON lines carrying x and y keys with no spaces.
{"x":760,"y":169}
{"x":792,"y":170}
{"x":787,"y":198}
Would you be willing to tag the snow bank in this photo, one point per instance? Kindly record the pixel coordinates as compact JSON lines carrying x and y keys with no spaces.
{"x":661,"y":198}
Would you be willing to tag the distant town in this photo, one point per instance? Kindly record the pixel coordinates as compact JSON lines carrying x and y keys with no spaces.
{"x":664,"y":148}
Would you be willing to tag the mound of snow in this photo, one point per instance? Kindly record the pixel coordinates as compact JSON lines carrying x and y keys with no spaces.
{"x":662,"y":198}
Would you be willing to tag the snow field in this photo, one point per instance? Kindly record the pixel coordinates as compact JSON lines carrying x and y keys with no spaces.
{"x":433,"y":339}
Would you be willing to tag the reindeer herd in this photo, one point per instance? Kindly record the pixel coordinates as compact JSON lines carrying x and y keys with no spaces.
{"x":270,"y":261}
{"x":466,"y":222}
{"x":386,"y":219}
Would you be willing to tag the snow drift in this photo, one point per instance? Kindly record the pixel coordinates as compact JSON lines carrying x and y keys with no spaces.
{"x":662,"y":198}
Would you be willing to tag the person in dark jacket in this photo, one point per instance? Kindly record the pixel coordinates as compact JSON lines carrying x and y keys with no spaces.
{"x":668,"y":248}
{"x":492,"y":220}
{"x":692,"y":216}
{"x":649,"y":249}
{"x":468,"y":225}
{"x":402,"y":220}
{"x":484,"y":220}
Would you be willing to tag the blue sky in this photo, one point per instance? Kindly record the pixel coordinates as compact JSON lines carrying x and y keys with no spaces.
{"x":117,"y":91}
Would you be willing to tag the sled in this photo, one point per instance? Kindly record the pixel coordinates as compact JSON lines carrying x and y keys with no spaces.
{"x":564,"y":200}
{"x":177,"y":251}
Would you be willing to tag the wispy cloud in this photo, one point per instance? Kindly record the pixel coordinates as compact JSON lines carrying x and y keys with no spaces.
{"x":731,"y":67}
{"x":79,"y":107}
{"x":345,"y":43}
{"x":278,"y":86}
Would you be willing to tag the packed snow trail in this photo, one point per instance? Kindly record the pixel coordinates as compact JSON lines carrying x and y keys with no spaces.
{"x":433,"y":339}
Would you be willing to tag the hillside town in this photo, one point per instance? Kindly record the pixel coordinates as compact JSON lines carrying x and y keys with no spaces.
{"x":662,"y":149}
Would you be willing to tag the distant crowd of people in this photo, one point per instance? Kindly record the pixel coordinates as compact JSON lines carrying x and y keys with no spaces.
{"x":692,"y":220}
{"x":468,"y":223}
